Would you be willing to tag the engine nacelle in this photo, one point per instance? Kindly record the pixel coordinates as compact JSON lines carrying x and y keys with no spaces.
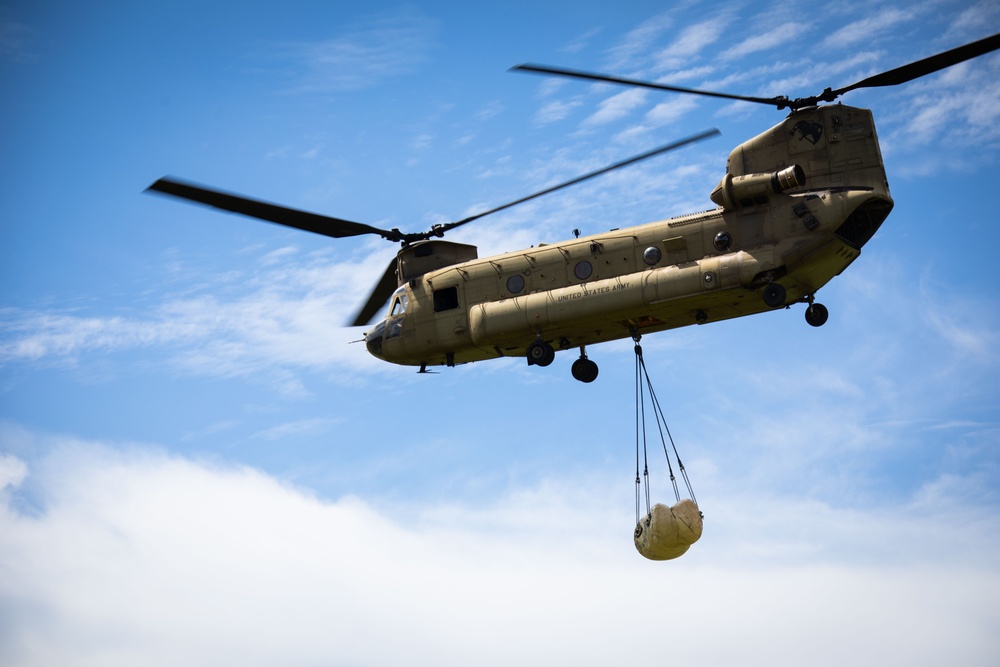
{"x":739,"y":191}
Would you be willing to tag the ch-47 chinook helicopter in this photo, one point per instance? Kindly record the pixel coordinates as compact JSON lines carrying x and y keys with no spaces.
{"x":794,"y":209}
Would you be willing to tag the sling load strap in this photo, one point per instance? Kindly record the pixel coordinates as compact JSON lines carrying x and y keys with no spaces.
{"x":640,"y":430}
{"x":643,"y":384}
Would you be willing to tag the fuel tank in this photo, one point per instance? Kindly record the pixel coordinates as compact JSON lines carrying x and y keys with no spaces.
{"x":611,"y":299}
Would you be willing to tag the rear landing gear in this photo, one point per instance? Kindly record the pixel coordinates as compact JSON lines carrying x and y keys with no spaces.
{"x":816,"y":313}
{"x":584,"y":369}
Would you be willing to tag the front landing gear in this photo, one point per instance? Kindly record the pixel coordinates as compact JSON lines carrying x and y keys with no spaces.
{"x":584,"y":369}
{"x":774,"y":295}
{"x":540,"y":353}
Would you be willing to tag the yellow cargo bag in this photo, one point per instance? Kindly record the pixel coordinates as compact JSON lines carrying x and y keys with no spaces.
{"x":667,"y":532}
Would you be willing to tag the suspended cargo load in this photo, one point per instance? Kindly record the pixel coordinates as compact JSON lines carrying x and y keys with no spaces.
{"x":664,"y":532}
{"x":667,"y":532}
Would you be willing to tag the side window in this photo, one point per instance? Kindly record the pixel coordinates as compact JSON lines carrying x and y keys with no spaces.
{"x":445,"y":299}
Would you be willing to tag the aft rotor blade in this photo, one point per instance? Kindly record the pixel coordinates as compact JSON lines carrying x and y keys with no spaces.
{"x":605,"y":78}
{"x":648,"y":154}
{"x":290,"y":217}
{"x":926,"y":66}
{"x":380,"y":294}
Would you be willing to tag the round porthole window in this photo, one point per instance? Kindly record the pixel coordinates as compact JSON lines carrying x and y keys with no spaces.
{"x":583,"y":270}
{"x":652,"y":255}
{"x":515,"y":284}
{"x":723,"y":240}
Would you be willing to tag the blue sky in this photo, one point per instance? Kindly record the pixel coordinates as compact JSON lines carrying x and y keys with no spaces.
{"x":198,"y":466}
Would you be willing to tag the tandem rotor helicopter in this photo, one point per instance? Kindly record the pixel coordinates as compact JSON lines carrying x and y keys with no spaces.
{"x":794,"y":209}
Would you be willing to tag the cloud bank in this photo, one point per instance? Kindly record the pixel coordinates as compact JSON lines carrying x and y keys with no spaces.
{"x":128,"y":555}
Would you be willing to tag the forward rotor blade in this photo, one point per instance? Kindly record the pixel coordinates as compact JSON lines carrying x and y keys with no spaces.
{"x":605,"y":78}
{"x":926,"y":66}
{"x":380,"y":294}
{"x":289,"y":217}
{"x":656,"y":151}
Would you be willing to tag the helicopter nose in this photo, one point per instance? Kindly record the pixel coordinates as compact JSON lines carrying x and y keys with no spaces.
{"x":373,"y":339}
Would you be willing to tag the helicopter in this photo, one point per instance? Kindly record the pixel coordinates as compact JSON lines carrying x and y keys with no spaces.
{"x":795,"y":207}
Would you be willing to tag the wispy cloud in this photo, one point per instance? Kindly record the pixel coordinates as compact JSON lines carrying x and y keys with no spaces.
{"x":634,"y":48}
{"x":490,"y":110}
{"x":555,"y":111}
{"x":15,"y":38}
{"x":812,"y":79}
{"x":973,"y":340}
{"x":764,"y":41}
{"x":692,"y":41}
{"x":974,"y":19}
{"x":316,"y":425}
{"x":616,"y":107}
{"x":33,"y":336}
{"x":285,"y":317}
{"x":663,"y":114}
{"x":864,"y":29}
{"x":582,"y":42}
{"x":957,"y":111}
{"x":384,"y":47}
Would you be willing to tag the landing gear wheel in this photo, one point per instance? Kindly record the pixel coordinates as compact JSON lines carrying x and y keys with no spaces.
{"x":774,"y":295}
{"x":584,"y":370}
{"x":540,"y":353}
{"x":817,"y":314}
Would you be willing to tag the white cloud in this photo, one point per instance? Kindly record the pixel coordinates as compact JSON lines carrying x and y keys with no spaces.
{"x":138,"y":557}
{"x":12,"y":471}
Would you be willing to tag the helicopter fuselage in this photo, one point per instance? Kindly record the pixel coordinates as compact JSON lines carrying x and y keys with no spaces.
{"x":797,"y":204}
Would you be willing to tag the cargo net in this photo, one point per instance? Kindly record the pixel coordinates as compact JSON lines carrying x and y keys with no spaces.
{"x":663,"y":532}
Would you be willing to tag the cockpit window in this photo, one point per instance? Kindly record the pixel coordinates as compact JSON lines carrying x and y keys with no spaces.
{"x":398,"y":305}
